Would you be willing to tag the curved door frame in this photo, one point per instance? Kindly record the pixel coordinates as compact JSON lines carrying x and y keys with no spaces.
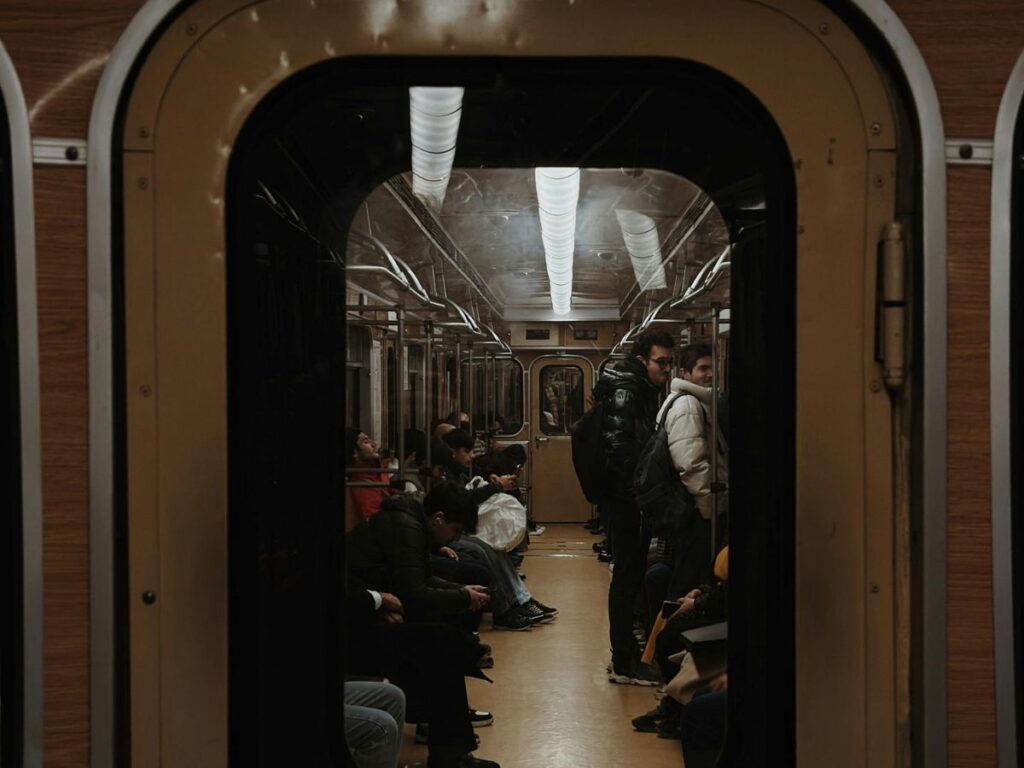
{"x":110,"y":93}
{"x":1000,"y":395}
{"x":28,"y":386}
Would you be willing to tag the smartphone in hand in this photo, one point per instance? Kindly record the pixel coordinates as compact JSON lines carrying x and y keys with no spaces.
{"x":668,"y":608}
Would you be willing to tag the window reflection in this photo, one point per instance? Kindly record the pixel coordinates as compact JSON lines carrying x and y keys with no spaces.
{"x":561,"y":398}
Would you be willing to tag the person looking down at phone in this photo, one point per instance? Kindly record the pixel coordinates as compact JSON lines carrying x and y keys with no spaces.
{"x":460,"y":470}
{"x":390,"y":552}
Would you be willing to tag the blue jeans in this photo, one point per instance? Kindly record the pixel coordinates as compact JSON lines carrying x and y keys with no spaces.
{"x":703,"y":727}
{"x":374,"y":718}
{"x":507,"y":590}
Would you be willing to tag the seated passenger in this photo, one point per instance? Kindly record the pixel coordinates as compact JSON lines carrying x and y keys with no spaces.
{"x":362,"y":452}
{"x":391,"y":551}
{"x":428,"y":661}
{"x":513,"y":606}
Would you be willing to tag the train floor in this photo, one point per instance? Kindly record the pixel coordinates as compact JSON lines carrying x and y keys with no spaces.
{"x":552,"y":703}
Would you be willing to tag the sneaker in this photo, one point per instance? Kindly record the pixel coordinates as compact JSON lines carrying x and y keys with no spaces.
{"x":469,"y":761}
{"x":667,"y":709}
{"x":605,"y":557}
{"x":543,"y":608}
{"x":513,"y":621}
{"x":534,"y":613}
{"x":537,"y":530}
{"x":486,"y":662}
{"x":479,"y":718}
{"x":670,"y":728}
{"x":597,"y":546}
{"x":636,"y":674}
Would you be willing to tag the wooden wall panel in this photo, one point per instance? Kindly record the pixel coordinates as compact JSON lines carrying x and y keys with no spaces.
{"x":971,"y":681}
{"x":59,"y":48}
{"x":970,"y":47}
{"x":63,"y":375}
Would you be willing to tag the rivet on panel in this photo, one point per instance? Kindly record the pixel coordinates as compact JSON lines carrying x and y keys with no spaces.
{"x":875,"y":589}
{"x":143,"y":132}
{"x":876,"y":128}
{"x":149,"y":597}
{"x":191,"y":28}
{"x":876,"y":386}
{"x":823,"y":28}
{"x":142,"y":182}
{"x":145,"y":390}
{"x":878,"y":180}
{"x":71,"y":153}
{"x":966,"y":151}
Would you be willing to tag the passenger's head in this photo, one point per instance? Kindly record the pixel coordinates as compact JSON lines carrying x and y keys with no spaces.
{"x":462,"y":446}
{"x":415,"y":446}
{"x":359,"y":447}
{"x":450,"y":513}
{"x":442,"y":429}
{"x":516,"y":453}
{"x":458,"y":419}
{"x":695,"y":362}
{"x":654,"y":349}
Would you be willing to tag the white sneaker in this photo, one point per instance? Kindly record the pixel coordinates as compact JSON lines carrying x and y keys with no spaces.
{"x":540,"y":529}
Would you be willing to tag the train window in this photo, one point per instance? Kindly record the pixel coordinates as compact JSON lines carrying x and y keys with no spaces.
{"x":508,"y":396}
{"x":561,"y":398}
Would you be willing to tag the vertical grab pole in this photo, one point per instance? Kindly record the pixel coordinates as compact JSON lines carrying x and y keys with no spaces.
{"x":472,"y":387}
{"x":715,"y":309}
{"x":428,"y":390}
{"x":400,"y":387}
{"x":458,"y":377}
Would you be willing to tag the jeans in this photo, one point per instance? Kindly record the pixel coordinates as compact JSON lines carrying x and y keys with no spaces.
{"x":507,"y":590}
{"x":374,"y":718}
{"x":629,"y":548}
{"x":656,"y":582}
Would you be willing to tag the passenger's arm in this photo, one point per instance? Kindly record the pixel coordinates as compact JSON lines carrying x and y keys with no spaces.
{"x":413,"y":582}
{"x":619,"y":431}
{"x":689,"y":449}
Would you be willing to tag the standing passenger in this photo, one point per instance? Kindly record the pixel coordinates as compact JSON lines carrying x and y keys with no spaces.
{"x":630,"y":389}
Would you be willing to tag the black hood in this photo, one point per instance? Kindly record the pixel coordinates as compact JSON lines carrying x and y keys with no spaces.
{"x":625,"y":374}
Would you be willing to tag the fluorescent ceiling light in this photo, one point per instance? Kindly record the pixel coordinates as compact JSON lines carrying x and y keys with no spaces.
{"x":640,"y":234}
{"x":434,"y":115}
{"x":558,"y":192}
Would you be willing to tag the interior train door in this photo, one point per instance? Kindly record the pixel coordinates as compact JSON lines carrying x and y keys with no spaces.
{"x":559,"y":389}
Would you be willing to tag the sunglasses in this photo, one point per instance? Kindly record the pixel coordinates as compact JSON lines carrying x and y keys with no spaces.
{"x":663,"y":362}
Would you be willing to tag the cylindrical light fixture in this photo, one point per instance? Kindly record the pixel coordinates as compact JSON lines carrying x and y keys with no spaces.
{"x":558,"y":192}
{"x":434,"y":115}
{"x":640,"y":234}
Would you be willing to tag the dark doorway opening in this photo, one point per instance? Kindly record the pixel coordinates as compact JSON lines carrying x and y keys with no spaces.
{"x":304,"y":163}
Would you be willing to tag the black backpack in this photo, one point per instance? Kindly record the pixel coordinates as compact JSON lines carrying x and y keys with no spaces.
{"x":665,"y":504}
{"x":588,"y":457}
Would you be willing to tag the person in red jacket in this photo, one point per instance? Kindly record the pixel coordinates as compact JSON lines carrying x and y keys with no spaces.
{"x":362,"y":452}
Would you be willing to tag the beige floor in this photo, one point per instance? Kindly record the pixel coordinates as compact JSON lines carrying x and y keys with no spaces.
{"x":553,"y":705}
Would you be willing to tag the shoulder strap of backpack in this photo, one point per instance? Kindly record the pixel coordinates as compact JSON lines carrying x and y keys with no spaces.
{"x":668,"y":407}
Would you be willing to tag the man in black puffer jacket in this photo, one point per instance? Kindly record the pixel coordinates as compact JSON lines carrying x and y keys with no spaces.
{"x":390,"y":552}
{"x":630,"y":390}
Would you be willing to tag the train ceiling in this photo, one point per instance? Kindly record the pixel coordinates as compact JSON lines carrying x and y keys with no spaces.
{"x":482,"y":247}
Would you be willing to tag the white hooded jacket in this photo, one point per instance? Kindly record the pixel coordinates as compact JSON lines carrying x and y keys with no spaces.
{"x":689,"y":435}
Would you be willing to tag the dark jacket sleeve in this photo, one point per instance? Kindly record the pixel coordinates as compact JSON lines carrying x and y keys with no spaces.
{"x":359,"y":604}
{"x":483,"y":493}
{"x":621,"y":441}
{"x":410,"y":569}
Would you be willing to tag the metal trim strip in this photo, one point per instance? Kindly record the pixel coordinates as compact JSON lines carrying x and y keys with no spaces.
{"x":28,"y":373}
{"x":101,"y":127}
{"x":969,"y":152}
{"x":1000,"y":393}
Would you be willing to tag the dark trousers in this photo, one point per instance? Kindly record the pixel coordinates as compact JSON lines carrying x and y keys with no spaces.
{"x":703,"y":729}
{"x":429,"y":662}
{"x":692,"y":562}
{"x":629,"y":548}
{"x":656,"y":583}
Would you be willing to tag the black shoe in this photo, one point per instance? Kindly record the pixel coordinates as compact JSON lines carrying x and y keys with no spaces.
{"x":513,"y":621}
{"x":670,"y":728}
{"x":543,"y":608}
{"x":605,"y":557}
{"x":634,"y":674}
{"x":535,"y":614}
{"x":597,"y":546}
{"x":469,"y":761}
{"x":479,"y":718}
{"x":667,"y":709}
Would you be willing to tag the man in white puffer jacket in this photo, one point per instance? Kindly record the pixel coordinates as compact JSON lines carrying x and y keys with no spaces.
{"x":689,"y":440}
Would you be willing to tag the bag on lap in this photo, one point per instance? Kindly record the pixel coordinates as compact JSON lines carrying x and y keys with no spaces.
{"x":501,"y":519}
{"x":665,"y":504}
{"x":588,"y":457}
